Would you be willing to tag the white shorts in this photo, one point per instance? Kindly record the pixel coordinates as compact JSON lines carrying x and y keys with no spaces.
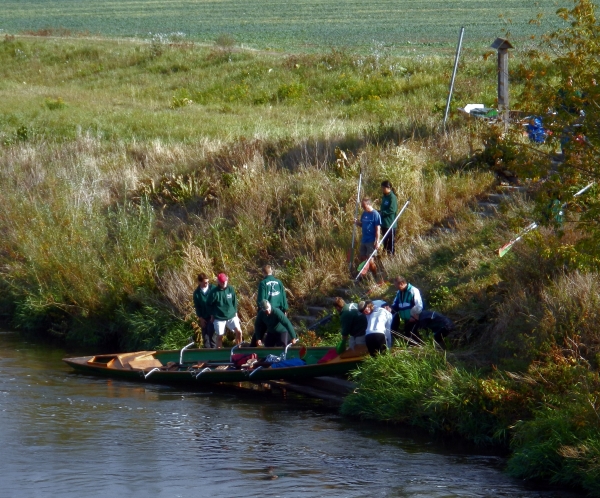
{"x":232,"y":324}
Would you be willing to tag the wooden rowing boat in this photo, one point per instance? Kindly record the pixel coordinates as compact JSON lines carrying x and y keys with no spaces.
{"x":207,"y":366}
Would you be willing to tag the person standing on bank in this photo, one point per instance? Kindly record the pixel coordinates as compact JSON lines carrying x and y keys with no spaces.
{"x":272,"y":327}
{"x":370,"y":222}
{"x":223,"y":307}
{"x":408,"y":305}
{"x":201,"y":295}
{"x":271,"y":289}
{"x":388,"y":212}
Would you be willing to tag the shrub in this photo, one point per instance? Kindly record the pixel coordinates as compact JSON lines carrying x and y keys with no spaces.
{"x":54,"y":104}
{"x":225,"y":40}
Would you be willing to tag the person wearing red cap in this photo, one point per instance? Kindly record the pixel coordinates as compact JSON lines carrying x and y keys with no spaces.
{"x":223,"y":306}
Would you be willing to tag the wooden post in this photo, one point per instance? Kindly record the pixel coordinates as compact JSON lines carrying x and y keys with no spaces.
{"x":502,"y":45}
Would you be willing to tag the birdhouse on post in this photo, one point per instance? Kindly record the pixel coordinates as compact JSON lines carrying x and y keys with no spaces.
{"x":502,"y":45}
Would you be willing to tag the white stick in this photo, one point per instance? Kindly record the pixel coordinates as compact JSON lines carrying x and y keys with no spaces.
{"x":584,"y":189}
{"x":354,"y":229}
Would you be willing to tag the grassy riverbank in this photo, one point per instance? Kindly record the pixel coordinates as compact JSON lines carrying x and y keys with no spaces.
{"x":126,"y":168}
{"x":547,"y":414}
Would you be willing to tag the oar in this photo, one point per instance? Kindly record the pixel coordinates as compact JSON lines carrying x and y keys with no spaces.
{"x":365,"y":265}
{"x":355,"y":216}
{"x":584,"y":189}
{"x":508,"y":246}
{"x":577,"y":194}
{"x":418,"y":342}
{"x":322,"y":321}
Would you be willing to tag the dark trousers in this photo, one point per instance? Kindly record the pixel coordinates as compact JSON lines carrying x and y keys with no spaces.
{"x":438,"y":336}
{"x":411,"y":329}
{"x":375,"y":343}
{"x":208,"y":335}
{"x":275,"y":339}
{"x":389,"y":243}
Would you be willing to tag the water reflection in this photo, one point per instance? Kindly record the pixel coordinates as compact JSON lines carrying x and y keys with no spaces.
{"x":64,"y":434}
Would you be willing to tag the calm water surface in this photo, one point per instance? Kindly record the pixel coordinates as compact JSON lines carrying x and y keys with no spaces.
{"x":68,"y":435}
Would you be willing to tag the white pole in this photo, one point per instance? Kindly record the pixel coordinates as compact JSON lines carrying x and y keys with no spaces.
{"x":460,"y":39}
{"x":383,"y":238}
{"x":354,"y":229}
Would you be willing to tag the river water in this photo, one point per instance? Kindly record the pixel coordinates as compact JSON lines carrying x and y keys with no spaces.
{"x":69,"y":435}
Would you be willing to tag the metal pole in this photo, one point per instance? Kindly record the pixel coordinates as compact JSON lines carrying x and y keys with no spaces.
{"x":354,"y":229}
{"x":460,"y":39}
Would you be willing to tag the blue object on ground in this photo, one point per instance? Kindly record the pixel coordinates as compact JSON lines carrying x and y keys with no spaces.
{"x":535,"y":131}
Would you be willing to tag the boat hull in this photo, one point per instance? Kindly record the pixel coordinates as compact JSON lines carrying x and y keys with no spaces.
{"x":208,"y":366}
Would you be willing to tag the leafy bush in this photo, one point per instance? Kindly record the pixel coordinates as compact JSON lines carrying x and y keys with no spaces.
{"x":225,"y":41}
{"x":54,"y":104}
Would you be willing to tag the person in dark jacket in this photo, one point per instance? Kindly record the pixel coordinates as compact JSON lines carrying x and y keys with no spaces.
{"x":201,"y":295}
{"x":223,"y":308}
{"x":271,"y":289}
{"x":272,"y":327}
{"x":439,"y":324}
{"x":388,"y":211}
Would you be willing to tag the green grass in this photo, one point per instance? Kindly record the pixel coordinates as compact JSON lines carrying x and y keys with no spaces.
{"x":127,"y":168}
{"x":297,"y":26}
{"x":125,"y":91}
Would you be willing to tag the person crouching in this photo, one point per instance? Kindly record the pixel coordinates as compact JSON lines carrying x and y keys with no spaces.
{"x":379,"y":322}
{"x":272,"y":326}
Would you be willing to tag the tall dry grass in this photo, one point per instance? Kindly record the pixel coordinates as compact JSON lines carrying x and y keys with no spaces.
{"x":90,"y":226}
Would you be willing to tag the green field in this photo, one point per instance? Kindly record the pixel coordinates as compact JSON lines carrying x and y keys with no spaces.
{"x":299,"y":25}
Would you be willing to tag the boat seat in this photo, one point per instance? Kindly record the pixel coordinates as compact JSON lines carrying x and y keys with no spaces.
{"x":143,"y":363}
{"x":137,"y":361}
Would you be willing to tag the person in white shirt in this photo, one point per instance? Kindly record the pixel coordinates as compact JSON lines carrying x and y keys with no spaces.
{"x":378,"y":337}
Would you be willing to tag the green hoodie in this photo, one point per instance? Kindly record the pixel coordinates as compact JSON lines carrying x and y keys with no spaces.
{"x":389,"y":210}
{"x":223,"y":303}
{"x":271,"y":289}
{"x":275,"y":321}
{"x":353,"y":322}
{"x":201,"y":301}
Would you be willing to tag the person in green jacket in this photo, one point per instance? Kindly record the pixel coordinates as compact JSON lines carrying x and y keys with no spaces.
{"x":272,"y":327}
{"x":353,"y":322}
{"x":271,"y":289}
{"x":388,"y":212}
{"x":201,"y":295}
{"x":223,"y":308}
